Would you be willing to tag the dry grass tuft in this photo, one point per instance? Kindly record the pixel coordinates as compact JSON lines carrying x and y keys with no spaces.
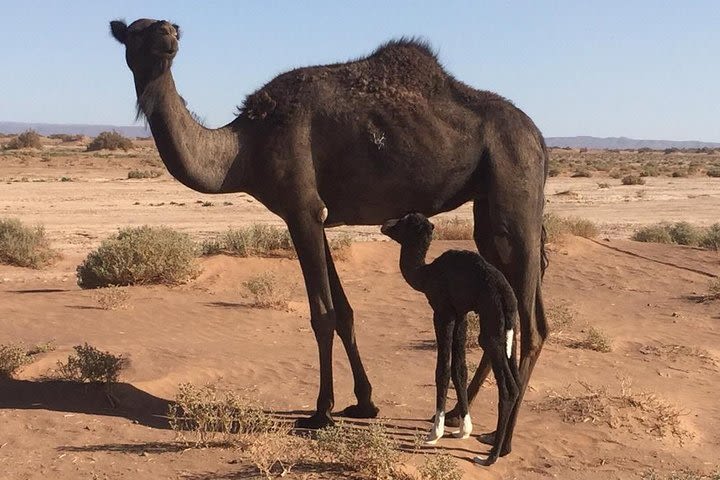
{"x":12,"y":358}
{"x":634,"y":412}
{"x":257,"y":240}
{"x":140,"y":256}
{"x":112,"y":298}
{"x":138,"y":174}
{"x":440,"y":467}
{"x":453,"y":229}
{"x":368,"y":451}
{"x":208,"y":413}
{"x":24,"y":246}
{"x":594,"y":340}
{"x":558,"y":227}
{"x":266,"y":292}
{"x":674,"y":352}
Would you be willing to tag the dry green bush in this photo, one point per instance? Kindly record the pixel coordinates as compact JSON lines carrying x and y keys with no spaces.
{"x":24,"y":246}
{"x":453,"y":229}
{"x":713,"y":172}
{"x":109,"y":141}
{"x":256,"y":240}
{"x":594,"y":340}
{"x":440,"y":467}
{"x":12,"y":358}
{"x":557,"y":227}
{"x":138,"y":174}
{"x":368,"y":451}
{"x":27,"y":139}
{"x":684,"y":233}
{"x":711,"y":237}
{"x":582,"y":173}
{"x":636,"y":412}
{"x":112,"y":298}
{"x":140,"y":255}
{"x":89,"y":364}
{"x":633,"y":180}
{"x":658,"y":233}
{"x":208,"y":413}
{"x":266,"y":291}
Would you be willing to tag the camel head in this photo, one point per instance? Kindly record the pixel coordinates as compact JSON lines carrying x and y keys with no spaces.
{"x":409,"y":229}
{"x":150,"y":45}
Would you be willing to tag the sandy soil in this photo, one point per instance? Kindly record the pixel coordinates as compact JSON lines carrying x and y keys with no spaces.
{"x":639,"y":296}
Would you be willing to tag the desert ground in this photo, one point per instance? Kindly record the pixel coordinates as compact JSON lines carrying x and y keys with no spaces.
{"x":647,"y":409}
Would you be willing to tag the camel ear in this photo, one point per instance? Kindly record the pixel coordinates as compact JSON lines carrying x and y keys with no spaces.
{"x":177,"y":30}
{"x":119,"y":30}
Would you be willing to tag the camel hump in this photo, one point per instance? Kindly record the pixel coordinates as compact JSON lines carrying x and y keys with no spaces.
{"x":406,"y":46}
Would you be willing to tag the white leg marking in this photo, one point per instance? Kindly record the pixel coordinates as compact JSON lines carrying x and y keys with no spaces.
{"x":438,"y":429}
{"x":465,"y":428}
{"x":509,"y":339}
{"x":322,"y":215}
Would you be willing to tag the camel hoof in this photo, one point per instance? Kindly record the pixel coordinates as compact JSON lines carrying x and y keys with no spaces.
{"x":361,"y":411}
{"x":465,"y":428}
{"x":485,"y":462}
{"x":487,"y":438}
{"x":316,"y":422}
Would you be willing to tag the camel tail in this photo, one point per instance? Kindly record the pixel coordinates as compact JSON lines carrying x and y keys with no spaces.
{"x":510,"y":317}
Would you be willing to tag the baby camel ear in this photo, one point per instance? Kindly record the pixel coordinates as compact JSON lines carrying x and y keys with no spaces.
{"x":177,"y":30}
{"x":119,"y":30}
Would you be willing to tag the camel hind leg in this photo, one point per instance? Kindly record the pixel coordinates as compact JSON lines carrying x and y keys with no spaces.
{"x":509,"y":233}
{"x":345,"y":327}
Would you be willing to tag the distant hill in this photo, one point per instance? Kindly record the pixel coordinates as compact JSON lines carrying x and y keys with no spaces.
{"x":73,"y":129}
{"x":624,"y":143}
{"x":573,"y":142}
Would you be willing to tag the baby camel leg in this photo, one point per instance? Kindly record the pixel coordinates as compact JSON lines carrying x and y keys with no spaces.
{"x":444,"y":325}
{"x":459,"y":377}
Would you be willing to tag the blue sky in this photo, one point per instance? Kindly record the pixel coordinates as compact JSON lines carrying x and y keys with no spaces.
{"x":641,"y":69}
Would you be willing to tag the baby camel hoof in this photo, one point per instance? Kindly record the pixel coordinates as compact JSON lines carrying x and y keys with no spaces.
{"x":451,"y":419}
{"x":361,"y":411}
{"x":465,"y":428}
{"x":316,"y":422}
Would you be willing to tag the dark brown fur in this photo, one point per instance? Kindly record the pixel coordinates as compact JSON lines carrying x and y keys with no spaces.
{"x":369,"y":140}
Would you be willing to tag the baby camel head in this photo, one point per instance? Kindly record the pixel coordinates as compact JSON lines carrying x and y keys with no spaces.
{"x":150,"y":45}
{"x":410,"y":228}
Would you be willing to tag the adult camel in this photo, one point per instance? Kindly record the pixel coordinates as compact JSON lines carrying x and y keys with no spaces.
{"x":359,"y":143}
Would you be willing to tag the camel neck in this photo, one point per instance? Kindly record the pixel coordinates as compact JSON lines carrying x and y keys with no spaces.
{"x":412,"y":262}
{"x":206,"y":160}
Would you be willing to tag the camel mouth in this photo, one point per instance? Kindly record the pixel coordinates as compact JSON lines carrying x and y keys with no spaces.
{"x":385,"y":228}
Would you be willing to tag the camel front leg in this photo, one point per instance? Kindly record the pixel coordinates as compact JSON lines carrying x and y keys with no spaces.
{"x":308,"y":237}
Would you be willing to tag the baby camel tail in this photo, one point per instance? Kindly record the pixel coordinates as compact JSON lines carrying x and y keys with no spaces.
{"x":455,"y":283}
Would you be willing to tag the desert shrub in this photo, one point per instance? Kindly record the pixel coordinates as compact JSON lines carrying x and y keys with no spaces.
{"x":266,"y":291}
{"x":340,"y":246}
{"x":12,"y":358}
{"x":112,"y":298}
{"x":24,"y":246}
{"x":603,"y":185}
{"x":594,"y":340}
{"x":711,"y":238}
{"x":255,"y":240}
{"x":679,"y":174}
{"x":582,"y":173}
{"x":368,"y":451}
{"x":556,"y":227}
{"x":65,"y":138}
{"x":713,"y":172}
{"x":615,"y":174}
{"x":439,"y":467}
{"x":658,"y":233}
{"x":684,"y":233}
{"x":649,"y":171}
{"x":109,"y":141}
{"x":137,"y":174}
{"x":633,"y":180}
{"x":208,"y":413}
{"x":140,"y":255}
{"x":27,"y":139}
{"x":554,"y":171}
{"x":89,"y":364}
{"x":453,"y":229}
